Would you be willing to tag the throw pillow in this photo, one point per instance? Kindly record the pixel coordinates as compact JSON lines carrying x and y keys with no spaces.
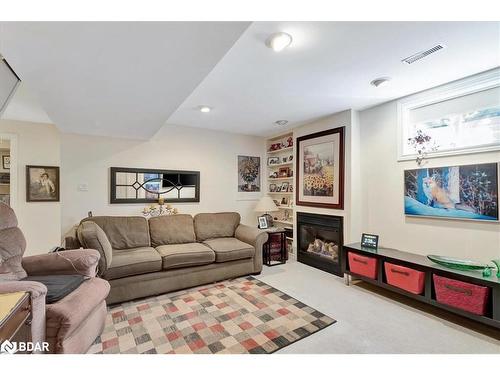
{"x":91,"y":236}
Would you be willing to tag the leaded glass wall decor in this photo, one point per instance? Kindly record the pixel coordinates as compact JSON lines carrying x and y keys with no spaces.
{"x":134,"y":185}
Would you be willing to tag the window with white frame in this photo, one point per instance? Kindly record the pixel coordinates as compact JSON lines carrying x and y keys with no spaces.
{"x":462,"y":117}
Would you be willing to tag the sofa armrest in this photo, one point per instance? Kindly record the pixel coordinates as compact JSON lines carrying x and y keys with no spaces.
{"x":255,"y":237}
{"x":38,"y":292}
{"x":71,"y":262}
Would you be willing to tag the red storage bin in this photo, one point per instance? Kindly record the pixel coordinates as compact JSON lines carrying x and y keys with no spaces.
{"x":405,"y":278}
{"x":462,"y":295}
{"x":362,"y":265}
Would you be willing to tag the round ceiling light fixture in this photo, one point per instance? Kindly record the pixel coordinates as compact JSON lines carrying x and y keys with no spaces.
{"x":281,"y":122}
{"x":279,"y":41}
{"x":379,"y":82}
{"x":205,"y":108}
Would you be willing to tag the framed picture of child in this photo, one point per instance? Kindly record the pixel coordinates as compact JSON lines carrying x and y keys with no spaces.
{"x":42,"y":184}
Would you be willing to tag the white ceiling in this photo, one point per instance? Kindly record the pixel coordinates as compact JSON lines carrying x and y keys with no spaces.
{"x":114,"y":78}
{"x":25,"y":106}
{"x":329,"y":67}
{"x":130,"y":79}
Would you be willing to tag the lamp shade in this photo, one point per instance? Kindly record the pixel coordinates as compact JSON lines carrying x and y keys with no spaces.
{"x":266,"y":204}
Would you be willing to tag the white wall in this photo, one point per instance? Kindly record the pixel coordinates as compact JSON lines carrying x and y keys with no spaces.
{"x":352,"y":190}
{"x":373,"y":186}
{"x":87,"y":159}
{"x":37,"y":144}
{"x":382,"y":192}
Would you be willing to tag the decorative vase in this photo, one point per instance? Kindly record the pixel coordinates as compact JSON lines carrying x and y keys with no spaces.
{"x":497,"y":263}
{"x":487,"y":272}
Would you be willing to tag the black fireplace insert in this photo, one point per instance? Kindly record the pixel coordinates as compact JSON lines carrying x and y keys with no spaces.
{"x":319,"y":241}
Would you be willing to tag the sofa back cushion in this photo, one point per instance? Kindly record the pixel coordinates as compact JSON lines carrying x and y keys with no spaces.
{"x":123,"y":232}
{"x":91,"y":236}
{"x":221,"y":224}
{"x":171,"y":229}
{"x":12,"y":246}
{"x":71,"y":241}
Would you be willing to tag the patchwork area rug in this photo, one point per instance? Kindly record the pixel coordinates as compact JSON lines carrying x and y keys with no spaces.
{"x":238,"y":316}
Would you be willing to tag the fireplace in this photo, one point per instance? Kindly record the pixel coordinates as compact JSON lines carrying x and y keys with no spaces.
{"x":319,"y":241}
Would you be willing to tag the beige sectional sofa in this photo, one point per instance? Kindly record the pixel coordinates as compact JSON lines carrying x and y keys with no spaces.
{"x":142,"y":257}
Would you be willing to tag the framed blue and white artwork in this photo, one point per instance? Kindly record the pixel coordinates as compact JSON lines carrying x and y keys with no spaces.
{"x":468,"y":192}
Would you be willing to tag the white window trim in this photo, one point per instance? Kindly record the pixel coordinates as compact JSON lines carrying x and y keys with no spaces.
{"x":470,"y":85}
{"x":13,"y":185}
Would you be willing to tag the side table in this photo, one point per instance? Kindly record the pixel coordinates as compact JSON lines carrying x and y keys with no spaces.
{"x":15,"y":317}
{"x":276,"y":236}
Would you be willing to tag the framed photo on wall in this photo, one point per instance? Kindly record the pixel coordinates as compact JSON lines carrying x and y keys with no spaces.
{"x":248,"y":174}
{"x":6,"y":161}
{"x":320,"y":169}
{"x":42,"y":184}
{"x":467,"y":192}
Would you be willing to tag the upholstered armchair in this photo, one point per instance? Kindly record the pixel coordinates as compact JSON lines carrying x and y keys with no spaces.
{"x":71,"y":324}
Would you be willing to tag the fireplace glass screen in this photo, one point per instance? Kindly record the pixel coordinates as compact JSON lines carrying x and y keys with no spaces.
{"x":321,"y":241}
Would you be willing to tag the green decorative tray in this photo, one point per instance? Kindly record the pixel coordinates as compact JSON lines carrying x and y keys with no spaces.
{"x":459,"y":264}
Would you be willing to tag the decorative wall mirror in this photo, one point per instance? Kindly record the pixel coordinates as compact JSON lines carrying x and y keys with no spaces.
{"x":134,"y":185}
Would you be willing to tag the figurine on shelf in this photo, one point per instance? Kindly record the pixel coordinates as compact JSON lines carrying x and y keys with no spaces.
{"x":275,"y":147}
{"x":159,"y":210}
{"x":497,"y":264}
{"x":289,"y":142}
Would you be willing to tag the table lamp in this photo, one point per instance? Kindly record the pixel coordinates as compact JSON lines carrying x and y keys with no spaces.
{"x":266,"y":204}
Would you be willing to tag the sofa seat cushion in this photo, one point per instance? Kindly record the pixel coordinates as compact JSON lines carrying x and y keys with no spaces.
{"x":229,"y":248}
{"x":185,"y":255}
{"x":133,"y":262}
{"x":68,"y":314}
{"x":58,"y":286}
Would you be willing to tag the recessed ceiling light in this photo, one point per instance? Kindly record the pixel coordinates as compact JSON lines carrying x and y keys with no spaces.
{"x":281,"y":122}
{"x":205,"y":108}
{"x":379,"y":82}
{"x":279,"y":41}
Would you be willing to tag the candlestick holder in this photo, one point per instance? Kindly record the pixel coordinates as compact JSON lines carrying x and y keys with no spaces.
{"x":159,"y":210}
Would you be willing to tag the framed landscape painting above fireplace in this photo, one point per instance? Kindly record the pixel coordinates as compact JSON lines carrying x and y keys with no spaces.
{"x":320,"y":169}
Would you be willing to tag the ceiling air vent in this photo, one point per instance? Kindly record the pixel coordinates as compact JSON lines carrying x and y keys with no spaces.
{"x":420,"y":55}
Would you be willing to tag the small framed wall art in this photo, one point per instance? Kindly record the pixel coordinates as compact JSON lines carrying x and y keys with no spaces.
{"x":248,"y":174}
{"x":6,"y":161}
{"x":42,"y":184}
